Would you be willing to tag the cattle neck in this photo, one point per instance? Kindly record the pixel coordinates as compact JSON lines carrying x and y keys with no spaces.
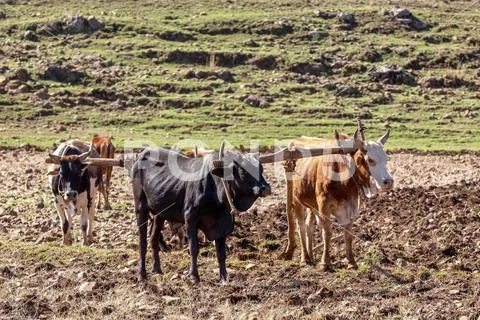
{"x":361,"y":177}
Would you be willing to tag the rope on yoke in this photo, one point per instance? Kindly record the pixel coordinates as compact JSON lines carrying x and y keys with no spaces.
{"x":233,"y":209}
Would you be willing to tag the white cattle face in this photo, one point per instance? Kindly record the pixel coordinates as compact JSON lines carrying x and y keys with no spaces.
{"x":377,"y":163}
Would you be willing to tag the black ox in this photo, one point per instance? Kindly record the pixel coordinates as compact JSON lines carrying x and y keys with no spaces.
{"x":170,"y":186}
{"x":74,"y":185}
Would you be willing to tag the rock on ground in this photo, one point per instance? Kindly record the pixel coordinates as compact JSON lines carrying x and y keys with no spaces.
{"x":407,"y":18}
{"x":315,"y":69}
{"x":30,"y":36}
{"x":67,"y":74}
{"x":76,"y":24}
{"x":256,"y":101}
{"x":348,"y":91}
{"x":265,"y":63}
{"x":392,"y":75}
{"x":94,"y":24}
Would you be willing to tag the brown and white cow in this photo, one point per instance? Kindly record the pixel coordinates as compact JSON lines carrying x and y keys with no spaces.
{"x":106,"y":149}
{"x":329,"y":187}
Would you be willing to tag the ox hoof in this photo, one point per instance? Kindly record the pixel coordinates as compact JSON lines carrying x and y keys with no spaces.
{"x":87,"y":241}
{"x":324,"y":267}
{"x":142,"y":276}
{"x":224,"y":278}
{"x":67,"y":241}
{"x":195,"y":278}
{"x":287,"y":254}
{"x":107,"y":207}
{"x":308,"y":262}
{"x":352,"y":266}
{"x":157,"y":270}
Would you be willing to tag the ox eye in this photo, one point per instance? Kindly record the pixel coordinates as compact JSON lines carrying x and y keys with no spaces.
{"x":371,"y":161}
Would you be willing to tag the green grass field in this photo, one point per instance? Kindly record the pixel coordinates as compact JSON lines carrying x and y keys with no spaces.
{"x":131,"y":58}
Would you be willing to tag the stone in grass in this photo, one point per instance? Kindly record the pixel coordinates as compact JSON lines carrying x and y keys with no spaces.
{"x":30,"y":36}
{"x":87,"y":287}
{"x":95,"y":24}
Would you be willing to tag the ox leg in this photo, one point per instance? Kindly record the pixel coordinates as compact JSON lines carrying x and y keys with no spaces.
{"x":106,"y":187}
{"x":310,"y":226}
{"x":302,"y":232}
{"x":82,"y":206}
{"x":66,"y":226}
{"x":290,"y":249}
{"x":193,"y":246}
{"x":91,"y":210}
{"x":100,"y":192}
{"x":221,"y":257}
{"x":327,"y":235}
{"x":141,"y":212}
{"x":348,"y":234}
{"x":155,"y":243}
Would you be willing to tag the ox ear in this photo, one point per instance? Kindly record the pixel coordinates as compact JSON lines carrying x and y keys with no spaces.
{"x":53,"y":158}
{"x":358,"y":141}
{"x":220,"y":169}
{"x":53,"y":172}
{"x":383,"y":139}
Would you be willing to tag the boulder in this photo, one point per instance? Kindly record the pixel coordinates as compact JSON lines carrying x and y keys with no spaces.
{"x":392,"y":75}
{"x":59,"y":73}
{"x":407,"y":19}
{"x":256,"y":101}
{"x":76,"y":24}
{"x":22,"y":75}
{"x":315,"y":69}
{"x":317,"y":35}
{"x":42,"y":94}
{"x":30,"y":36}
{"x":265,"y":63}
{"x":348,"y":91}
{"x":94,"y":24}
{"x":51,"y":29}
{"x":347,"y":18}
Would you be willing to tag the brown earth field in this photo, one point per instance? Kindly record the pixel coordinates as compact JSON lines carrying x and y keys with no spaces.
{"x":417,"y":247}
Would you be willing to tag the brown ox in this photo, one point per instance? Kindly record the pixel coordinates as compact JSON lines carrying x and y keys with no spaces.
{"x":329,"y":186}
{"x":105,"y":148}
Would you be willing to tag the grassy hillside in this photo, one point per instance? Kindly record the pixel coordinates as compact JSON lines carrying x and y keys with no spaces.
{"x":160,"y":71}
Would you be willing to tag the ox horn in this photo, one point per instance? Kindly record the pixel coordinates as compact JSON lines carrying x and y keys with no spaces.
{"x":221,"y":151}
{"x":383,"y":139}
{"x":337,"y":135}
{"x":361,"y":128}
{"x":85,"y":155}
{"x":359,"y":141}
